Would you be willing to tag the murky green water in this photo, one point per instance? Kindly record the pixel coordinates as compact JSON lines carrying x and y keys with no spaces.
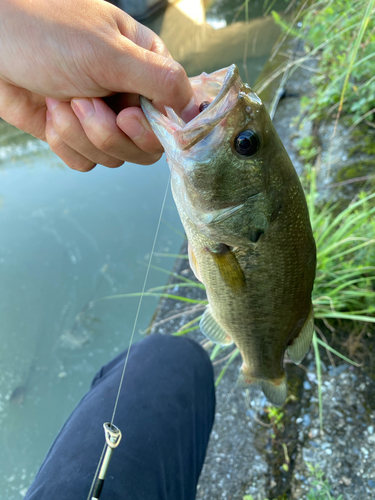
{"x":68,"y":239}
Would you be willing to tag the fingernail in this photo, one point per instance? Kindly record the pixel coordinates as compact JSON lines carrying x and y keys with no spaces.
{"x":190,"y":111}
{"x":83,"y":108}
{"x":51,"y":103}
{"x":48,"y":115}
{"x":132,"y":127}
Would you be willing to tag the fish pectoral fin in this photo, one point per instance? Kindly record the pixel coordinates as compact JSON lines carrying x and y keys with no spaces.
{"x":229,"y":267}
{"x":212,"y":330}
{"x":193,"y":263}
{"x":275,"y":390}
{"x":301,"y":344}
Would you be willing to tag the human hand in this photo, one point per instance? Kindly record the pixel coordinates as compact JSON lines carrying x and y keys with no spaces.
{"x":66,"y":70}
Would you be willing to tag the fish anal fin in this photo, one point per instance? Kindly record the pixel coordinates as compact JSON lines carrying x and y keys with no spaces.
{"x":212,"y":330}
{"x":301,"y":344}
{"x":229,"y":267}
{"x":275,"y":390}
{"x":193,"y":263}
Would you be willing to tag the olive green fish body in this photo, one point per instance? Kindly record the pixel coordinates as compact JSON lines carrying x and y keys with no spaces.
{"x":246,"y":219}
{"x":264,"y":316}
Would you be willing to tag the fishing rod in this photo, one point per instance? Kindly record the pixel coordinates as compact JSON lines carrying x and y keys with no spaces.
{"x":112,"y":432}
{"x":112,"y":438}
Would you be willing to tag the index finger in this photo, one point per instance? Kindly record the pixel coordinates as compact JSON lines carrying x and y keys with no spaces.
{"x":139,"y":70}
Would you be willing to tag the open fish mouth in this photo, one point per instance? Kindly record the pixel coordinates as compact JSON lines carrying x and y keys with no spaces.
{"x":218,"y":91}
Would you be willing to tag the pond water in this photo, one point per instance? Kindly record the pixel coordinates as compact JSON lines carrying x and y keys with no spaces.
{"x":69,"y":239}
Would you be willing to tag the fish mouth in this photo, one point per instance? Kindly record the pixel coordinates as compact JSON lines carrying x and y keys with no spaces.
{"x":220,"y":89}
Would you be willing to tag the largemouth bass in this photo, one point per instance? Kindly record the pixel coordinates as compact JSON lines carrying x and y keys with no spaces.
{"x":246,"y":218}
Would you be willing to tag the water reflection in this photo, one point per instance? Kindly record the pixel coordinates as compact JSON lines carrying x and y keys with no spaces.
{"x":199,"y":47}
{"x":68,"y":239}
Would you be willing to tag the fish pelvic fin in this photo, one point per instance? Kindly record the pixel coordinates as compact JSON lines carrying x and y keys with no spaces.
{"x":212,"y":330}
{"x":229,"y":267}
{"x":301,"y":344}
{"x":275,"y":390}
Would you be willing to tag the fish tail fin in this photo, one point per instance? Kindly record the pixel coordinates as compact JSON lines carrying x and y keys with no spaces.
{"x":244,"y":380}
{"x":275,"y":390}
{"x":301,"y":344}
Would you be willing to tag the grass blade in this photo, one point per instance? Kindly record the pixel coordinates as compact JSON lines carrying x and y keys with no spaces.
{"x":329,"y":348}
{"x":221,"y":374}
{"x":148,"y":294}
{"x":215,"y":351}
{"x":353,"y":55}
{"x":319,"y":375}
{"x":179,"y":333}
{"x":178,"y":285}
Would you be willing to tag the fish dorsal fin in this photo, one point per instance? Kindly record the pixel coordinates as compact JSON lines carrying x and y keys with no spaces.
{"x":301,"y":344}
{"x":212,"y":330}
{"x":229,"y":267}
{"x":193,"y":263}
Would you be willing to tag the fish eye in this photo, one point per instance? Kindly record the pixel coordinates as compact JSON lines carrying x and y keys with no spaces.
{"x":246,"y":143}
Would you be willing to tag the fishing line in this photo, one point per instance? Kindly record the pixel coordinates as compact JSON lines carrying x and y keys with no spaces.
{"x":109,"y":428}
{"x":141,"y":298}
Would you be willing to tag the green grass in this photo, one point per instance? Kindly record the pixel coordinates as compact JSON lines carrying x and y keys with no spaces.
{"x":321,"y":488}
{"x":340,"y":34}
{"x":344,"y":283}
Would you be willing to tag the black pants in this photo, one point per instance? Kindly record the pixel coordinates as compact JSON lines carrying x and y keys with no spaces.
{"x":165,"y":412}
